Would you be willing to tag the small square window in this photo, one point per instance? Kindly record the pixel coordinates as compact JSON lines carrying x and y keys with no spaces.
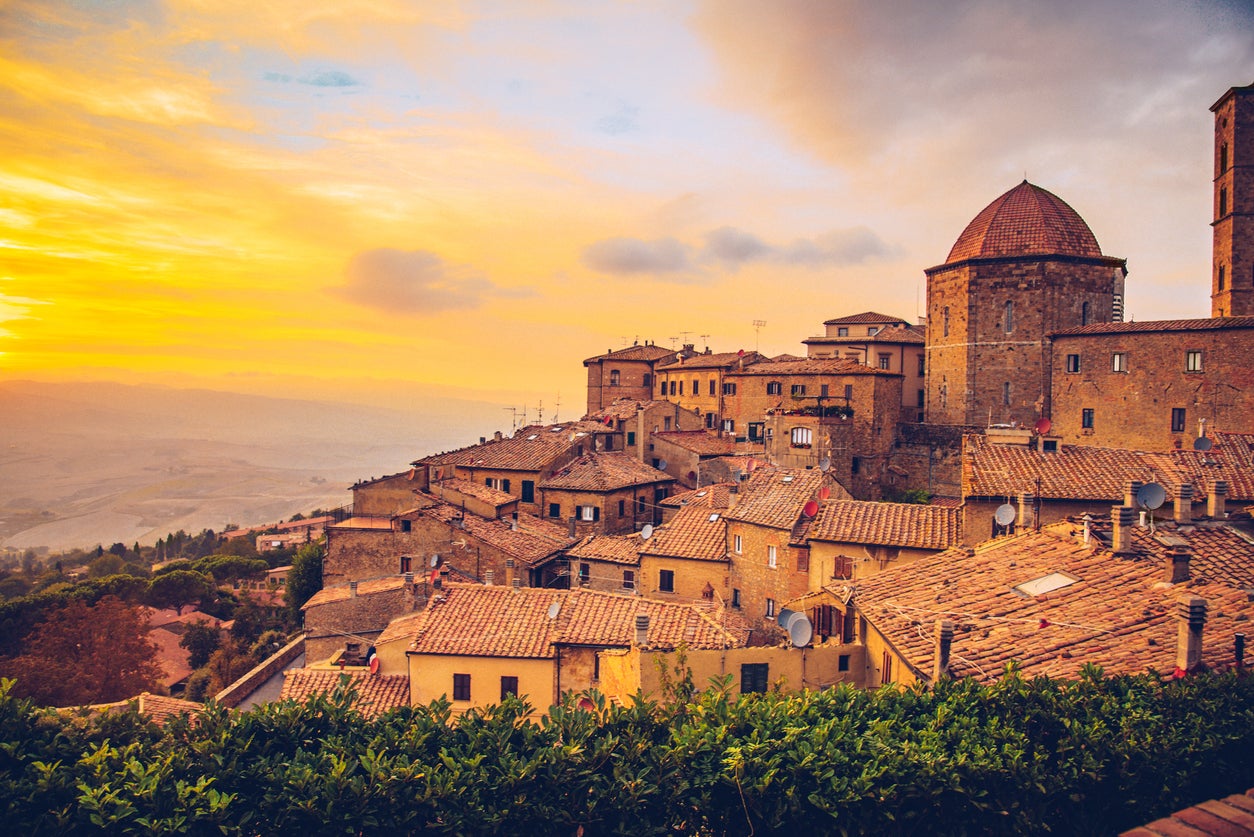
{"x":770,"y":608}
{"x":1073,"y":363}
{"x":1193,"y":361}
{"x":555,"y":510}
{"x":666,"y":581}
{"x":1119,"y":362}
{"x":774,"y":388}
{"x":1177,"y":419}
{"x":771,"y":556}
{"x":629,"y":579}
{"x":737,"y":544}
{"x":1086,"y":418}
{"x":509,"y":686}
{"x":754,"y":677}
{"x":842,"y":331}
{"x":798,"y":389}
{"x":842,"y":662}
{"x":461,"y":687}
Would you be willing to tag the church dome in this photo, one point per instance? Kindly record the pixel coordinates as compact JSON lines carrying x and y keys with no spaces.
{"x":1025,"y":221}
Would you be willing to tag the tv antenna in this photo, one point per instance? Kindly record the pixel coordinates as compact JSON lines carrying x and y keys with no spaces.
{"x":513,"y":416}
{"x":705,"y":338}
{"x":758,"y":325}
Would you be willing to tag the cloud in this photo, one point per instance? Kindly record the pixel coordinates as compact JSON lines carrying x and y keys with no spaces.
{"x":735,"y":247}
{"x":838,"y":247}
{"x":631,"y":256}
{"x":329,"y":78}
{"x":623,"y":120}
{"x":416,"y":282}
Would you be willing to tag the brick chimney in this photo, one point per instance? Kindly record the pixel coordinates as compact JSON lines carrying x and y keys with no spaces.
{"x":1025,"y":510}
{"x":1215,"y":502}
{"x":1184,"y":503}
{"x":1191,"y":614}
{"x":352,"y":589}
{"x":516,"y":583}
{"x":1178,"y":564}
{"x":642,"y":629}
{"x":943,"y":638}
{"x":1121,"y":519}
{"x":509,"y":572}
{"x":1130,"y":489}
{"x":489,"y":576}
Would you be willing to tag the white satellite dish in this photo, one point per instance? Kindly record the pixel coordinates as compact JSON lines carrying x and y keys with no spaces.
{"x":435,"y":561}
{"x":1151,"y":495}
{"x":825,"y":464}
{"x":554,"y":609}
{"x":662,"y":465}
{"x":798,"y":626}
{"x":1005,"y":514}
{"x":646,"y":531}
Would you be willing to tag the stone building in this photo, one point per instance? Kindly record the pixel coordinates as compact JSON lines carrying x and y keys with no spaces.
{"x":633,"y":423}
{"x":697,"y":381}
{"x":1232,"y":272}
{"x":883,"y":342}
{"x":1026,"y":266}
{"x":623,"y":373}
{"x":604,"y":493}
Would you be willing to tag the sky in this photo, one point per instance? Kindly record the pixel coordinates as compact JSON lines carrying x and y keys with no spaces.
{"x":387,"y":202}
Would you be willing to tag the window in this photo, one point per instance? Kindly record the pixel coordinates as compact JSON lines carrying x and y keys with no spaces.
{"x":1223,"y":158}
{"x":920,"y":399}
{"x":855,"y":465}
{"x":1073,"y":363}
{"x":528,"y":491}
{"x":589,"y":513}
{"x":772,"y":557}
{"x":802,"y":437}
{"x":774,"y":388}
{"x":770,"y":608}
{"x":713,"y":387}
{"x":886,"y":361}
{"x":709,"y":421}
{"x":640,"y":505}
{"x":613,"y":377}
{"x":555,"y":510}
{"x":872,"y":331}
{"x":509,"y":686}
{"x":461,"y":687}
{"x":488,"y":482}
{"x":1086,"y":313}
{"x":406,"y":564}
{"x":798,"y":389}
{"x":585,"y":573}
{"x":629,"y":579}
{"x":803,"y":561}
{"x":945,"y":321}
{"x":631,"y":437}
{"x":666,"y":424}
{"x":646,"y":380}
{"x":681,"y":387}
{"x":1223,"y":202}
{"x":729,"y":425}
{"x":1005,"y":393}
{"x":1118,"y":362}
{"x":1193,"y":361}
{"x":922,"y":366}
{"x":1177,"y":419}
{"x":842,"y":567}
{"x":1221,"y":277}
{"x":842,"y":331}
{"x":622,"y":508}
{"x":886,"y":668}
{"x":737,"y":544}
{"x":1009,"y":316}
{"x":505,"y":486}
{"x":666,"y":581}
{"x":735,"y":597}
{"x":1086,"y":418}
{"x":729,"y":389}
{"x":755,"y":431}
{"x":672,"y":387}
{"x":848,"y":392}
{"x":754,"y":677}
{"x":407,"y":525}
{"x":842,"y":662}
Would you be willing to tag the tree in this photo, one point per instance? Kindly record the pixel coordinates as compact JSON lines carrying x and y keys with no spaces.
{"x":178,"y":589}
{"x":200,"y":641}
{"x":226,"y":568}
{"x":79,"y":654}
{"x":305,"y":577}
{"x":107,"y":564}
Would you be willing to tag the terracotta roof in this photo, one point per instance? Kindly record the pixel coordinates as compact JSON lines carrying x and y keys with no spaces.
{"x":532,"y":540}
{"x":888,"y":524}
{"x":342,"y":592}
{"x":161,"y":708}
{"x":696,"y":532}
{"x":1027,"y":220}
{"x":1207,"y":324}
{"x":901,"y":334}
{"x":604,"y":472}
{"x":504,"y":622}
{"x":867,"y":318}
{"x":531,"y":448}
{"x":621,"y":409}
{"x":713,"y":360}
{"x":619,"y":549}
{"x":478,"y":491}
{"x":647,"y":352}
{"x":811,"y":366}
{"x":1091,"y":473}
{"x":1232,"y":816}
{"x":402,"y":627}
{"x":785,"y":356}
{"x":376,"y":693}
{"x":699,"y":442}
{"x":170,"y":657}
{"x":775,"y":498}
{"x":1116,"y":614}
{"x":715,"y":496}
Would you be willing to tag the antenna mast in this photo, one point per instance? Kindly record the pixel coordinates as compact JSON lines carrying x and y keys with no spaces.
{"x":758,"y":325}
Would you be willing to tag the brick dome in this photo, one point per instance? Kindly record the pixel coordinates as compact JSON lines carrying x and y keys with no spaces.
{"x":1027,"y":220}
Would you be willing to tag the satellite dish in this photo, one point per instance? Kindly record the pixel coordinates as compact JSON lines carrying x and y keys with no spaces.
{"x":753,"y":465}
{"x":647,"y":531}
{"x":1005,"y":514}
{"x":825,"y":464}
{"x":1043,"y":425}
{"x":586,"y":705}
{"x":785,"y":617}
{"x":435,"y":561}
{"x":740,"y":353}
{"x":824,"y":493}
{"x":1151,"y":495}
{"x":692,"y":475}
{"x":810,"y":509}
{"x":372,"y":660}
{"x":662,"y":464}
{"x":554,"y":609}
{"x":798,"y":626}
{"x":1203,"y":443}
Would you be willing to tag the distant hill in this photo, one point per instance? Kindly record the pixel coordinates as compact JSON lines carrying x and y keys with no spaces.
{"x":82,"y":464}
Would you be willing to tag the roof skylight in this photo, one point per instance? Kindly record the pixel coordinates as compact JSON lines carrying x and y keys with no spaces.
{"x":1045,"y":584}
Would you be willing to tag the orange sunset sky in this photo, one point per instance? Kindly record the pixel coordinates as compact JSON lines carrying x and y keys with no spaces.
{"x":379,"y":200}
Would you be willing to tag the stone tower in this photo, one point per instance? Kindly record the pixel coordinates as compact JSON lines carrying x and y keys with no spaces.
{"x":1027,"y":266}
{"x":1232,"y":274}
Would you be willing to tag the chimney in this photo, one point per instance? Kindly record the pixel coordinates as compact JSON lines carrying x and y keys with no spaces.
{"x":516,"y":583}
{"x":497,"y":436}
{"x":642,"y":629}
{"x":1025,"y":510}
{"x":1191,"y":614}
{"x":572,"y":527}
{"x":1215,"y":502}
{"x":943,"y":639}
{"x":352,"y":589}
{"x":409,"y":578}
{"x":1238,"y":649}
{"x":1178,"y":564}
{"x":1184,"y":503}
{"x":1121,"y":518}
{"x":1130,"y":489}
{"x":489,"y":576}
{"x":509,"y":572}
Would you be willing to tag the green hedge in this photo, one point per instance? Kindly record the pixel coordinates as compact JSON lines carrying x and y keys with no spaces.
{"x":1021,"y":756}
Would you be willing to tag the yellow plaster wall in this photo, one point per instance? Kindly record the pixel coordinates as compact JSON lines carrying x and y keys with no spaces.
{"x":431,"y":675}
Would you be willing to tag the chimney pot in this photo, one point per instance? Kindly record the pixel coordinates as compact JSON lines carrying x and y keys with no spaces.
{"x":944,"y":638}
{"x":352,"y":589}
{"x":1025,"y":510}
{"x":1215,"y":502}
{"x":1191,"y":615}
{"x":516,"y":583}
{"x":409,"y":578}
{"x":1130,"y":489}
{"x":1184,"y":503}
{"x":1178,"y":565}
{"x":642,"y":629}
{"x":489,"y":576}
{"x":1121,"y":518}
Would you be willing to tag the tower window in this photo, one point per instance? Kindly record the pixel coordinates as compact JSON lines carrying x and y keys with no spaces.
{"x":1223,"y":202}
{"x":1010,"y":316}
{"x":945,"y":321}
{"x":1086,"y":312}
{"x":1005,"y":393}
{"x":1221,"y":277}
{"x":1223,"y":158}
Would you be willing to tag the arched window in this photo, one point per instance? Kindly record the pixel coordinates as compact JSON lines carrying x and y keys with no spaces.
{"x":1085,"y":313}
{"x":802,"y":437}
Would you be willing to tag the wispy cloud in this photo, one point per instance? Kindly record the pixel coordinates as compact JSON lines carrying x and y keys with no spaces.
{"x":417,"y":282}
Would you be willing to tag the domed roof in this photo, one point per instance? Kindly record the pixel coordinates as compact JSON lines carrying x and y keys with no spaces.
{"x":1027,"y":220}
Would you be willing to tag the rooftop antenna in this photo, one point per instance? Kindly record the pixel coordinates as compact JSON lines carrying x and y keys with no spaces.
{"x":556,"y":407}
{"x":705,"y":338}
{"x":672,"y":339}
{"x":758,"y":325}
{"x":513,"y":416}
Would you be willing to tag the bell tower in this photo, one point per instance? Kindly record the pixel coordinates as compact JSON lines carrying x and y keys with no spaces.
{"x":1232,"y":271}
